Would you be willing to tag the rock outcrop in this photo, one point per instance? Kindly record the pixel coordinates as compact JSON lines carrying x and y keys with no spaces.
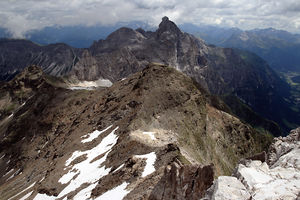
{"x":279,"y":179}
{"x":183,"y":182}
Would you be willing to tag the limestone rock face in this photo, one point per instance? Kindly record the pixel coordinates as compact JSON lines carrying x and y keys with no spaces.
{"x":228,"y":188}
{"x":278,"y":180}
{"x":283,"y":145}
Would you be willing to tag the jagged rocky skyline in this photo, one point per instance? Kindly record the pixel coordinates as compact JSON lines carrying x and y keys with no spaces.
{"x":21,"y":16}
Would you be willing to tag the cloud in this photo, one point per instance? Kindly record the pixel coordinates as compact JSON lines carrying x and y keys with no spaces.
{"x":21,"y":16}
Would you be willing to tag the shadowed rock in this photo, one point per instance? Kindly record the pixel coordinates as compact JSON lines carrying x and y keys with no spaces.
{"x":183,"y":182}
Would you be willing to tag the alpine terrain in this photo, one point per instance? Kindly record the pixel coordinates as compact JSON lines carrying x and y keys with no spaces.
{"x":125,"y":140}
{"x":239,"y":77}
{"x":152,"y":115}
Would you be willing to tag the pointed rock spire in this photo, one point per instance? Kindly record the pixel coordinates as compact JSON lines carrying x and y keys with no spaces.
{"x":168,"y":26}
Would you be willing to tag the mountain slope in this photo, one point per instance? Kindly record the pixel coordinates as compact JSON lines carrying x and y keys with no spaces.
{"x":56,"y":59}
{"x":279,"y":48}
{"x":134,"y":131}
{"x":221,"y":71}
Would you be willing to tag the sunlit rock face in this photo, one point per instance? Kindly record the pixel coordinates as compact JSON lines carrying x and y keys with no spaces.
{"x":279,"y":179}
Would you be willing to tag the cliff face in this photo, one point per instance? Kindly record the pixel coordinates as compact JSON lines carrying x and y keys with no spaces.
{"x":128,"y":139}
{"x":221,"y":71}
{"x":15,"y":55}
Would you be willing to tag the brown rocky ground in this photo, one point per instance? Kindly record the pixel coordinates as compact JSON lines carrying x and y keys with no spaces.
{"x":187,"y":123}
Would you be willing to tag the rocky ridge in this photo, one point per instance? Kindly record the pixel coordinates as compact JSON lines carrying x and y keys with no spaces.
{"x":278,"y":178}
{"x":128,"y":139}
{"x":222,"y":71}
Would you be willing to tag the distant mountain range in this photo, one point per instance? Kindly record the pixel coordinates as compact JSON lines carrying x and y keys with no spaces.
{"x":280,"y":49}
{"x":79,"y":36}
{"x":240,"y":77}
{"x":144,"y":115}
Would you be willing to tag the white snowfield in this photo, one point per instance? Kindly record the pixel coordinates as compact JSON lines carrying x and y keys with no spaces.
{"x":117,"y":193}
{"x":89,"y":171}
{"x":150,"y":161}
{"x":91,"y":136}
{"x":91,"y":85}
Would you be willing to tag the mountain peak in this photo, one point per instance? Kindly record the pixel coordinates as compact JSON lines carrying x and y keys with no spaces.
{"x":165,"y":18}
{"x":167,"y":26}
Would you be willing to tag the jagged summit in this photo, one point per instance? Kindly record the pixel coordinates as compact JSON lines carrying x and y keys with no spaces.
{"x":169,"y":27}
{"x":221,"y":71}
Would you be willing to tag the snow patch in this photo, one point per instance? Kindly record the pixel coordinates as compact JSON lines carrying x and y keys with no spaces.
{"x":22,"y":191}
{"x":44,"y":145}
{"x":91,"y":85}
{"x":85,"y":193}
{"x":117,"y":193}
{"x":81,"y":88}
{"x":150,"y":161}
{"x":88,"y":171}
{"x":67,"y":177}
{"x":44,"y":197}
{"x":91,"y":136}
{"x":2,"y":156}
{"x":26,"y":196}
{"x":14,"y":174}
{"x":8,"y":172}
{"x":119,"y":168}
{"x":42,"y":179}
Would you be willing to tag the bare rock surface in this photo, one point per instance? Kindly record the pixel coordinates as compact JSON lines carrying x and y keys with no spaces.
{"x":278,"y":180}
{"x":227,"y":188}
{"x":116,"y":142}
{"x":183,"y":182}
{"x":221,"y":71}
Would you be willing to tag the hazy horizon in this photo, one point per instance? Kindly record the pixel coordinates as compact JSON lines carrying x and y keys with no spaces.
{"x":21,"y":16}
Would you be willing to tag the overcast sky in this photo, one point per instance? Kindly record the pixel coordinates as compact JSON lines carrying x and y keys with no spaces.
{"x":20,"y":16}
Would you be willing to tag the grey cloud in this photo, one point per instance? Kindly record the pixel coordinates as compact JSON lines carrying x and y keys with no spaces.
{"x":21,"y":16}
